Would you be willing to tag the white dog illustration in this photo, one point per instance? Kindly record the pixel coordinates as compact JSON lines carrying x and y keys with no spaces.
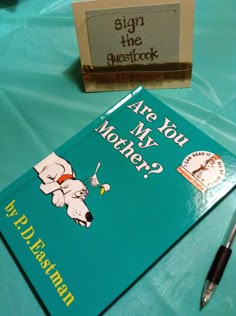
{"x":59,"y":180}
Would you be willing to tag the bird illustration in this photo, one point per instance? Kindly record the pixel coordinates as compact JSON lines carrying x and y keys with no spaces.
{"x":95,"y":182}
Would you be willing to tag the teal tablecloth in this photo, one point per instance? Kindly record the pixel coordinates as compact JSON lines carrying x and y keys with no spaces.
{"x":42,"y":104}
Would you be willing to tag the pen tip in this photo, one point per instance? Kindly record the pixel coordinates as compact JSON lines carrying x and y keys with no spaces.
{"x":203,"y":303}
{"x":207,"y":293}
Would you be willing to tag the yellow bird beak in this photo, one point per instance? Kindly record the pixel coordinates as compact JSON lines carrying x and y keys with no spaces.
{"x":102,"y":190}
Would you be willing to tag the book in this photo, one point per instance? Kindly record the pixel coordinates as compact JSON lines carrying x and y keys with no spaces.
{"x":119,"y":50}
{"x":91,"y":218}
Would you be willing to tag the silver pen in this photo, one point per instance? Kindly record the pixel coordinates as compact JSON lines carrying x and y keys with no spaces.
{"x":219,"y":263}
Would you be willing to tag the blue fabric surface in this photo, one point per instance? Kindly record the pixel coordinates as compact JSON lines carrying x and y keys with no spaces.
{"x":42,"y":104}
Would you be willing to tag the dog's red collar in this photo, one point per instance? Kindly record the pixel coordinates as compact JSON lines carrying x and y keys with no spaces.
{"x":64,"y":177}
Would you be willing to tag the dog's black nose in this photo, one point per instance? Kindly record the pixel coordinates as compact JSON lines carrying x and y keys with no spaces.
{"x":89,"y":216}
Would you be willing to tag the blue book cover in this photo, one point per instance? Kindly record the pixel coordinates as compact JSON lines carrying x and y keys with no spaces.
{"x":88,"y":220}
